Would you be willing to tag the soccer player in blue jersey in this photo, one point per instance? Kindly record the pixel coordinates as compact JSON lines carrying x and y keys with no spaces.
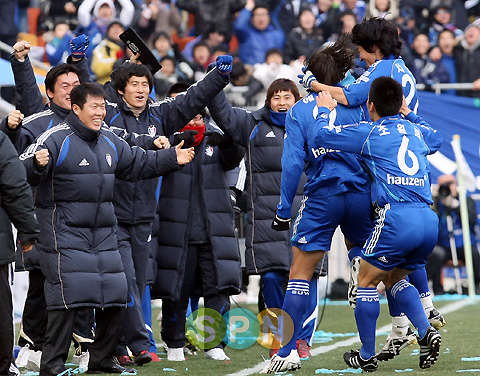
{"x":395,"y":150}
{"x":379,"y":47}
{"x":337,"y":192}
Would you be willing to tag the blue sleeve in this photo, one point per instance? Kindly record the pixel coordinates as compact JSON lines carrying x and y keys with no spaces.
{"x":293,"y":158}
{"x":241,"y":24}
{"x":431,"y":137}
{"x":349,"y":138}
{"x":357,"y":92}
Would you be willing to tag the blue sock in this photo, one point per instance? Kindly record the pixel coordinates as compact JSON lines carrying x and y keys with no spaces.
{"x":310,"y":317}
{"x":295,"y":303}
{"x":393,"y":306}
{"x":407,"y":297}
{"x":147,"y":314}
{"x":354,"y":252}
{"x":419,"y":279}
{"x":366,"y":315}
{"x":273,"y":294}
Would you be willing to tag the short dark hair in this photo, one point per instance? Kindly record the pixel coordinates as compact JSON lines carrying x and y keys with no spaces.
{"x":179,"y":87}
{"x":379,"y":32}
{"x":55,"y":72}
{"x":331,"y":64}
{"x":80,"y":93}
{"x":281,"y":84}
{"x":201,"y":44}
{"x":122,"y":74}
{"x":387,"y":96}
{"x":273,"y":51}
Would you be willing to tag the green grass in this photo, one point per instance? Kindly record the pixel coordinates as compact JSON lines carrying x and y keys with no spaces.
{"x":460,"y":337}
{"x":459,"y":340}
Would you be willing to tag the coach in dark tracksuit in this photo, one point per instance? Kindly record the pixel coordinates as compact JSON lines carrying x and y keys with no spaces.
{"x":75,"y":165}
{"x":135,"y":203}
{"x":197,"y":248}
{"x":17,"y":207}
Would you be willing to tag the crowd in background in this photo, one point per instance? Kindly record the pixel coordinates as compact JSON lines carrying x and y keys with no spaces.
{"x":270,"y":39}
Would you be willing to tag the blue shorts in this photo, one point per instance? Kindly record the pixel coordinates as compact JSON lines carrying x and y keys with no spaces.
{"x":403,"y":237}
{"x":318,"y":218}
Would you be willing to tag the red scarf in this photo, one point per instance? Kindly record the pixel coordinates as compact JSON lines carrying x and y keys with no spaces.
{"x":199,"y":136}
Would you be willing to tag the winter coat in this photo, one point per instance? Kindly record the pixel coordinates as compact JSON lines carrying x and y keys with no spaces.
{"x":16,"y":203}
{"x":78,"y":243}
{"x":266,"y":249}
{"x":299,"y":43}
{"x":467,"y":67}
{"x":135,"y":202}
{"x":175,"y":221}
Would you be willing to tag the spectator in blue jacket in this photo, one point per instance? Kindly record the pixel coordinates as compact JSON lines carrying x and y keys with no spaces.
{"x":255,"y":33}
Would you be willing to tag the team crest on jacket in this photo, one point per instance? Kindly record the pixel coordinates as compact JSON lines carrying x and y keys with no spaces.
{"x":108,"y":157}
{"x":209,"y":150}
{"x":152,"y":130}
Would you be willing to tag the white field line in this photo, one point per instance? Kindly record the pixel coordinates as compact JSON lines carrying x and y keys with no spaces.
{"x":349,"y":342}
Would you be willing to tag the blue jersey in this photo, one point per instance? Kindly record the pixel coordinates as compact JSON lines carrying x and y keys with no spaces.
{"x":394,"y":149}
{"x":357,"y":92}
{"x":329,"y":171}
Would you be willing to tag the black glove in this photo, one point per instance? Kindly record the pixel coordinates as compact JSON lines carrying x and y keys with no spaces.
{"x":280,"y":224}
{"x":216,"y":139}
{"x":187,"y":136}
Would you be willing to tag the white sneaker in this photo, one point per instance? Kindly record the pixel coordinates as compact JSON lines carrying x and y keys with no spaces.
{"x":23,"y":355}
{"x":353,"y":283}
{"x":216,"y":354}
{"x":33,"y":362}
{"x":82,"y":361}
{"x":13,"y":370}
{"x":279,"y":364}
{"x":175,"y":355}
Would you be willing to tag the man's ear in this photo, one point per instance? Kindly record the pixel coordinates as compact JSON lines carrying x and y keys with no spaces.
{"x":370,"y":106}
{"x":49,"y":94}
{"x":75,"y":109}
{"x":122,"y":93}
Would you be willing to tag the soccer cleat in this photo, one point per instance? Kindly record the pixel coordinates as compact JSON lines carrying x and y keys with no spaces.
{"x":155,"y":357}
{"x":82,"y":360}
{"x":429,"y":347}
{"x":279,"y":364}
{"x":33,"y":362}
{"x":216,"y":354}
{"x":142,"y":357}
{"x":354,"y":360}
{"x":303,"y":349}
{"x":13,"y":370}
{"x":353,"y":283}
{"x":436,"y":319}
{"x":175,"y":354}
{"x":125,"y":361}
{"x":393,"y":346}
{"x":22,"y":357}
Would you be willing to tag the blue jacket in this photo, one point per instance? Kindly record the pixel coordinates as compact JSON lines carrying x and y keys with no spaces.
{"x":253,"y":43}
{"x":78,"y":244}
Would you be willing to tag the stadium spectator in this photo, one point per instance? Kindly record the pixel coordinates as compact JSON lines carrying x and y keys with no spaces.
{"x":286,"y":13}
{"x":255,"y":33}
{"x":202,"y":56}
{"x":58,"y":11}
{"x":442,"y":19}
{"x":387,"y":9}
{"x":424,"y":69}
{"x":212,"y":13}
{"x":157,"y":16}
{"x":444,"y":52}
{"x":108,"y":52}
{"x":327,"y":17}
{"x":213,"y":37}
{"x":458,"y":10}
{"x":58,"y":48}
{"x":104,"y":11}
{"x":304,"y":39}
{"x":358,"y":7}
{"x":467,"y":55}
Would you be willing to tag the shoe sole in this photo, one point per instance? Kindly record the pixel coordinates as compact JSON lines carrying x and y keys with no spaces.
{"x":434,"y":352}
{"x":383,"y":357}
{"x":289,"y":367}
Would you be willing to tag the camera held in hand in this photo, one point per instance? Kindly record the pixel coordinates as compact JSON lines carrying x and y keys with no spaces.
{"x":444,"y":190}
